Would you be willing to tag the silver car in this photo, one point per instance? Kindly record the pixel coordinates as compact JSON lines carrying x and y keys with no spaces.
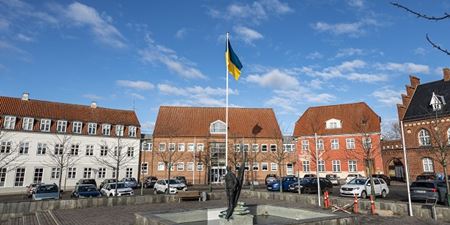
{"x":46,"y":191}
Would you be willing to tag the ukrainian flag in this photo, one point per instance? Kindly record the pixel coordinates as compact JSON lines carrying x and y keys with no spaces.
{"x":233,"y":63}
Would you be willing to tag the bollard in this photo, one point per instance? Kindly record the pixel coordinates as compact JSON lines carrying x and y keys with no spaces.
{"x":325,"y":200}
{"x":355,"y":204}
{"x":372,"y":205}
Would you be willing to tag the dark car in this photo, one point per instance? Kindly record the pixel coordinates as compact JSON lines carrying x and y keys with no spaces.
{"x":182,"y":179}
{"x":107,"y":181}
{"x":309,"y":185}
{"x":87,"y":181}
{"x":384,"y":177}
{"x":426,"y":176}
{"x":85,"y":191}
{"x":130,"y":182}
{"x":423,"y":190}
{"x":285,"y":182}
{"x":333,"y":178}
{"x":31,"y":189}
{"x":309,"y":175}
{"x":270,"y":178}
{"x":149,"y":182}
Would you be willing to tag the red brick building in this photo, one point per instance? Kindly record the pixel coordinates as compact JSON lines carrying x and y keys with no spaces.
{"x":348,"y":137}
{"x":193,"y":139}
{"x":425,"y":113}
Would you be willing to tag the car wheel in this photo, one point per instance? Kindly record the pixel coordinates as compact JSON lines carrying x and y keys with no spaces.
{"x":363,"y":194}
{"x":110,"y":195}
{"x":383,"y":194}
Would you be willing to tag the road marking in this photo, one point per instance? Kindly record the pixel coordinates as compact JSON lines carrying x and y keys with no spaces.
{"x":53,"y":217}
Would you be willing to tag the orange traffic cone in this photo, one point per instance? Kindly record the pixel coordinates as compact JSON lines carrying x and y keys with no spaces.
{"x":355,"y":204}
{"x":372,"y":205}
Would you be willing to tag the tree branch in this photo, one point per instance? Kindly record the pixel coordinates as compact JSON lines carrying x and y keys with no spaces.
{"x":437,"y":46}
{"x":420,"y":15}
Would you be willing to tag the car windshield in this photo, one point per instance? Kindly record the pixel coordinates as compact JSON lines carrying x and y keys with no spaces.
{"x":119,"y":185}
{"x":422,"y":184}
{"x":47,"y":189}
{"x":87,"y":188}
{"x":357,"y":181}
{"x":174,"y":182}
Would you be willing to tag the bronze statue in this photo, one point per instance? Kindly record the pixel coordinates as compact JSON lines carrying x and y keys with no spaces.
{"x":233,"y":186}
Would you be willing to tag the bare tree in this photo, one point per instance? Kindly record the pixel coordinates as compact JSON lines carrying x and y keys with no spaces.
{"x":279,"y":156}
{"x":431,"y":18}
{"x":392,"y":131}
{"x":9,"y":153}
{"x":116,"y":156}
{"x":169,"y":156}
{"x":204,"y":157}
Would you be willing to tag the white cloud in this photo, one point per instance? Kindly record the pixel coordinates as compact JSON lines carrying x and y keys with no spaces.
{"x":92,"y":97}
{"x":420,"y":51}
{"x":139,"y":85}
{"x":387,"y":96}
{"x":365,"y":77}
{"x":404,"y":67}
{"x":275,"y":79}
{"x":348,"y":52}
{"x":314,"y":55}
{"x":247,"y":35}
{"x":354,"y":29}
{"x":100,"y":25}
{"x":24,"y":38}
{"x":181,"y":33}
{"x":356,"y":3}
{"x":155,"y":53}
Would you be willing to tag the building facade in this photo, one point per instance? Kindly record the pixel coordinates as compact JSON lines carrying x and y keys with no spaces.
{"x":191,"y":141}
{"x":342,"y":138}
{"x":41,"y":142}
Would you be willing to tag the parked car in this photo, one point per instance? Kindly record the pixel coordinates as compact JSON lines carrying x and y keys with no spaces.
{"x":333,"y":178}
{"x":285,"y":182}
{"x":361,"y":187}
{"x":423,"y":190}
{"x":31,"y":188}
{"x":85,"y":191}
{"x":309,"y":175}
{"x":46,"y":191}
{"x":426,"y":176}
{"x":352,"y":176}
{"x":107,"y":181}
{"x":175,"y":186}
{"x":270,"y":178}
{"x":182,"y":179}
{"x":384,"y":177}
{"x":130,"y":182}
{"x":149,"y":182}
{"x":309,"y":185}
{"x":87,"y":181}
{"x":109,"y":190}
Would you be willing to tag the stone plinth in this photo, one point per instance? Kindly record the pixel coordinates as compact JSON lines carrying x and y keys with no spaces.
{"x":237,"y":220}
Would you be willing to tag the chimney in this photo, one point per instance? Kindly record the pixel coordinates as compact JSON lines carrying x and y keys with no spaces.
{"x":415,"y":81}
{"x":93,"y":105}
{"x":446,"y":74}
{"x":25,"y":96}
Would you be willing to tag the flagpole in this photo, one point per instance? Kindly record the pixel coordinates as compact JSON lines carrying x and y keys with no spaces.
{"x":406,"y":169}
{"x":226,"y":104}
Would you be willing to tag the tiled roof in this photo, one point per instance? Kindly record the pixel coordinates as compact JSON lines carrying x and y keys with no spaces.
{"x":420,"y":108}
{"x":61,"y":111}
{"x":314,"y":118}
{"x":195,"y":122}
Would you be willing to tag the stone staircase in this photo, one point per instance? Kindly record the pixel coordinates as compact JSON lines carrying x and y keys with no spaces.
{"x":37,"y":218}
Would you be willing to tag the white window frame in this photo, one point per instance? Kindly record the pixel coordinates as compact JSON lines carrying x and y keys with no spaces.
{"x":191,"y":147}
{"x":74,"y":149}
{"x":336,"y":166}
{"x":266,"y":147}
{"x":200,"y":146}
{"x":106,"y":129}
{"x":55,"y":173}
{"x":333,"y":124}
{"x":119,"y":130}
{"x":2,"y":176}
{"x":5,"y":146}
{"x":266,"y":165}
{"x":87,"y":173}
{"x":61,"y":126}
{"x":350,"y":143}
{"x":144,"y":167}
{"x":41,"y":149}
{"x":273,"y":145}
{"x":217,"y":127}
{"x":246,"y":147}
{"x":71,"y":173}
{"x":424,"y":137}
{"x":132,"y":131}
{"x":77,"y":127}
{"x":334,"y":143}
{"x":24,"y":148}
{"x":45,"y":125}
{"x":320,"y":145}
{"x":161,"y":166}
{"x":38,"y":175}
{"x":130,"y":151}
{"x":305,"y":145}
{"x":101,"y":173}
{"x":352,"y":166}
{"x":190,"y":166}
{"x":10,"y":122}
{"x":172,"y":147}
{"x":306,"y":166}
{"x":103,"y":150}
{"x":162,"y":147}
{"x":199,"y":166}
{"x":89,"y":150}
{"x":128,"y":172}
{"x":180,"y":166}
{"x":92,"y":128}
{"x":181,"y":147}
{"x":367,"y":143}
{"x":321,"y":164}
{"x":273,"y":167}
{"x":427,"y":165}
{"x":255,"y":147}
{"x":28,"y":123}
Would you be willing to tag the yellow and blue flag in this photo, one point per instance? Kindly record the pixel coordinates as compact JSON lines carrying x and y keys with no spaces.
{"x":233,"y":63}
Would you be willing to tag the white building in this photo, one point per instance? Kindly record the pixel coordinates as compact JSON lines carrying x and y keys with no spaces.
{"x":36,"y":136}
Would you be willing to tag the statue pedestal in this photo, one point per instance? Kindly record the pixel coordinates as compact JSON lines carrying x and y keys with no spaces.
{"x":237,"y":220}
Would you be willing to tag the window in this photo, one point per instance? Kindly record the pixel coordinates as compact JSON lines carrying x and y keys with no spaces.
{"x":350,"y":143}
{"x":41,"y":149}
{"x":321,"y":165}
{"x":119,"y":130}
{"x":305,"y":145}
{"x":171,"y":147}
{"x":264,"y":166}
{"x":92,"y":128}
{"x":255,"y":166}
{"x":23,"y":147}
{"x":273,"y":148}
{"x":237,"y":148}
{"x":144,"y":167}
{"x":320,"y":145}
{"x":162,"y":147}
{"x":5,"y":147}
{"x":367,"y":143}
{"x":200,"y":147}
{"x":199,"y":166}
{"x":147,"y":146}
{"x":106,"y":129}
{"x":289,"y":169}
{"x":427,"y":165}
{"x":191,"y":147}
{"x":61,"y":126}
{"x":333,"y":124}
{"x":246,"y":147}
{"x":103,"y":150}
{"x":334,"y":143}
{"x":87,"y":173}
{"x":306,"y":167}
{"x":77,"y":127}
{"x":129,"y":172}
{"x":2,"y":177}
{"x":273,"y":166}
{"x":352,"y":166}
{"x":27,"y":123}
{"x":10,"y":122}
{"x":336,"y":165}
{"x":38,"y":172}
{"x":59,"y":149}
{"x":161,"y":166}
{"x":130,"y":152}
{"x":45,"y":125}
{"x":424,"y":138}
{"x":101,"y":172}
{"x":55,"y":173}
{"x":131,"y":131}
{"x":74,"y":149}
{"x":190,"y":166}
{"x":288,"y":147}
{"x":89,"y":150}
{"x":255,"y":147}
{"x":113,"y":174}
{"x":263,"y":148}
{"x":71,"y":172}
{"x":181,"y":147}
{"x":20,"y":175}
{"x":180,"y":166}
{"x":217,"y":127}
{"x":117,"y":151}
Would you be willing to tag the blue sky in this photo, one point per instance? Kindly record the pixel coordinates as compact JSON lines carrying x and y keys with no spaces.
{"x":144,"y":54}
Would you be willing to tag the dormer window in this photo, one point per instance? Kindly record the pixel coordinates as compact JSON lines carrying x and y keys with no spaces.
{"x":132,"y":131}
{"x":119,"y":130}
{"x":106,"y":129}
{"x":333,"y":124}
{"x":27,"y":123}
{"x":437,"y":101}
{"x":10,"y":122}
{"x":77,"y":126}
{"x":92,"y":128}
{"x":45,"y":125}
{"x":217,"y":127}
